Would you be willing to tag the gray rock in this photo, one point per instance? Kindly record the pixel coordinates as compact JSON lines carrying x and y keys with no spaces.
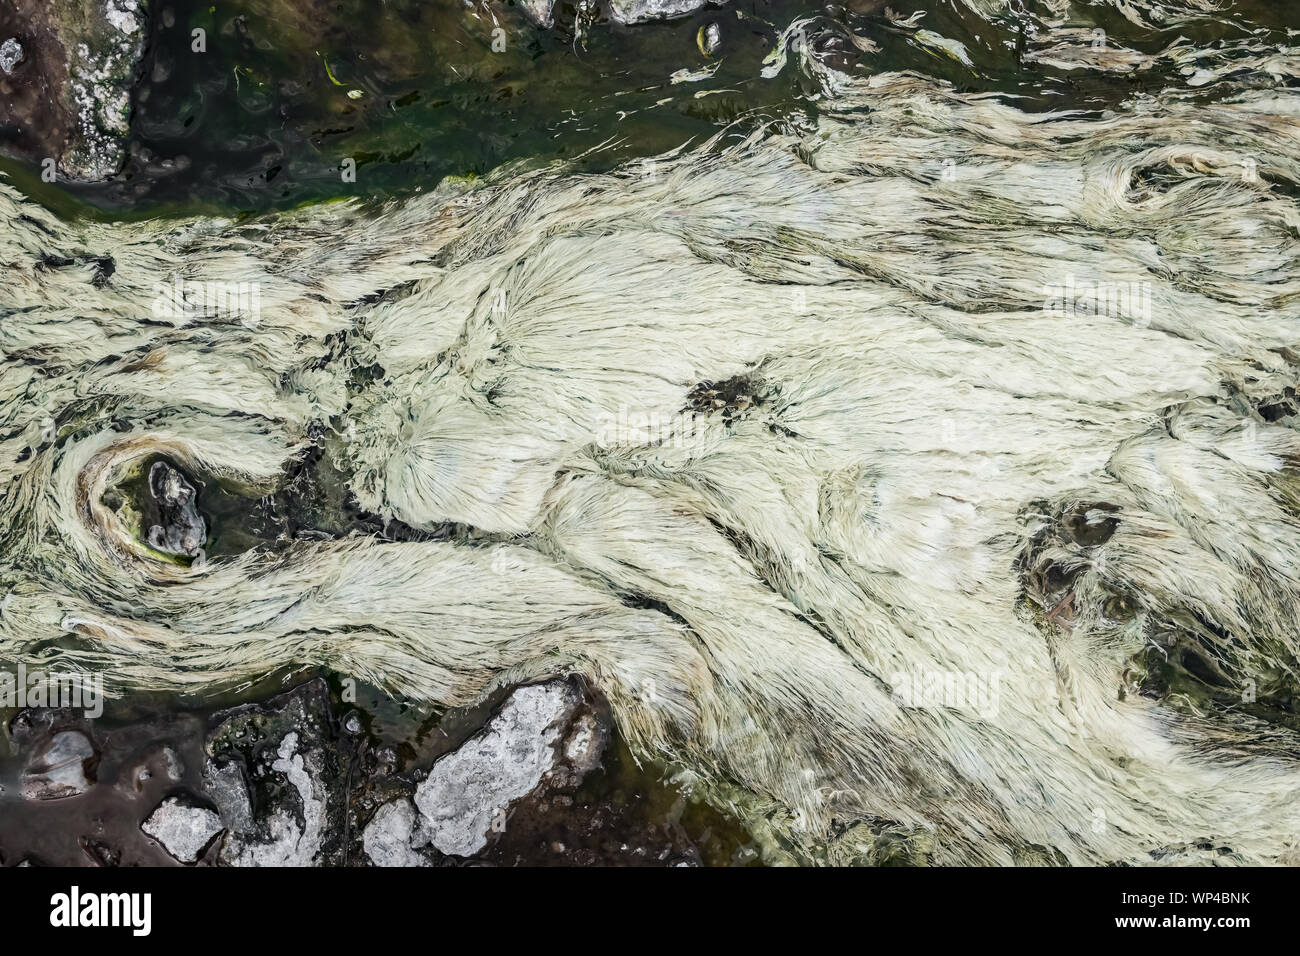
{"x":182,"y":530}
{"x":540,"y":13}
{"x":59,"y":769}
{"x":286,"y":753}
{"x":182,"y":830}
{"x":710,"y":38}
{"x":468,"y":788}
{"x":293,"y":835}
{"x":390,"y":836}
{"x":644,"y":11}
{"x":11,"y":54}
{"x":226,"y":787}
{"x":585,"y":744}
{"x":173,"y":766}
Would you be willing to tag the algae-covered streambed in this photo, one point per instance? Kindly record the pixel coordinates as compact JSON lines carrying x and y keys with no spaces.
{"x":771,"y":433}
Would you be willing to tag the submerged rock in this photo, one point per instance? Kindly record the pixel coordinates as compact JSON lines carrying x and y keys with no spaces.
{"x":644,"y":11}
{"x":541,"y":13}
{"x":181,"y":530}
{"x":183,"y":830}
{"x":60,"y":768}
{"x":11,"y":54}
{"x":159,"y":764}
{"x":709,"y":38}
{"x":468,"y":792}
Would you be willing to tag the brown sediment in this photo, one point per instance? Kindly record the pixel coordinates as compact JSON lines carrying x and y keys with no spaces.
{"x":35,"y":119}
{"x":68,"y":98}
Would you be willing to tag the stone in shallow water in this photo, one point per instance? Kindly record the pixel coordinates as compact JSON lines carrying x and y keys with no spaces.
{"x":59,"y":770}
{"x":586,"y":743}
{"x":294,"y":832}
{"x":182,"y":830}
{"x":182,"y":531}
{"x":539,"y":12}
{"x":390,"y":835}
{"x":643,"y":11}
{"x":226,"y":786}
{"x":157,"y":763}
{"x":285,"y":755}
{"x":11,"y":54}
{"x":468,"y":788}
{"x":709,"y":38}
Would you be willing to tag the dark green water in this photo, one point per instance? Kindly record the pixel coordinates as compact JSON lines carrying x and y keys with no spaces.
{"x":412,"y":91}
